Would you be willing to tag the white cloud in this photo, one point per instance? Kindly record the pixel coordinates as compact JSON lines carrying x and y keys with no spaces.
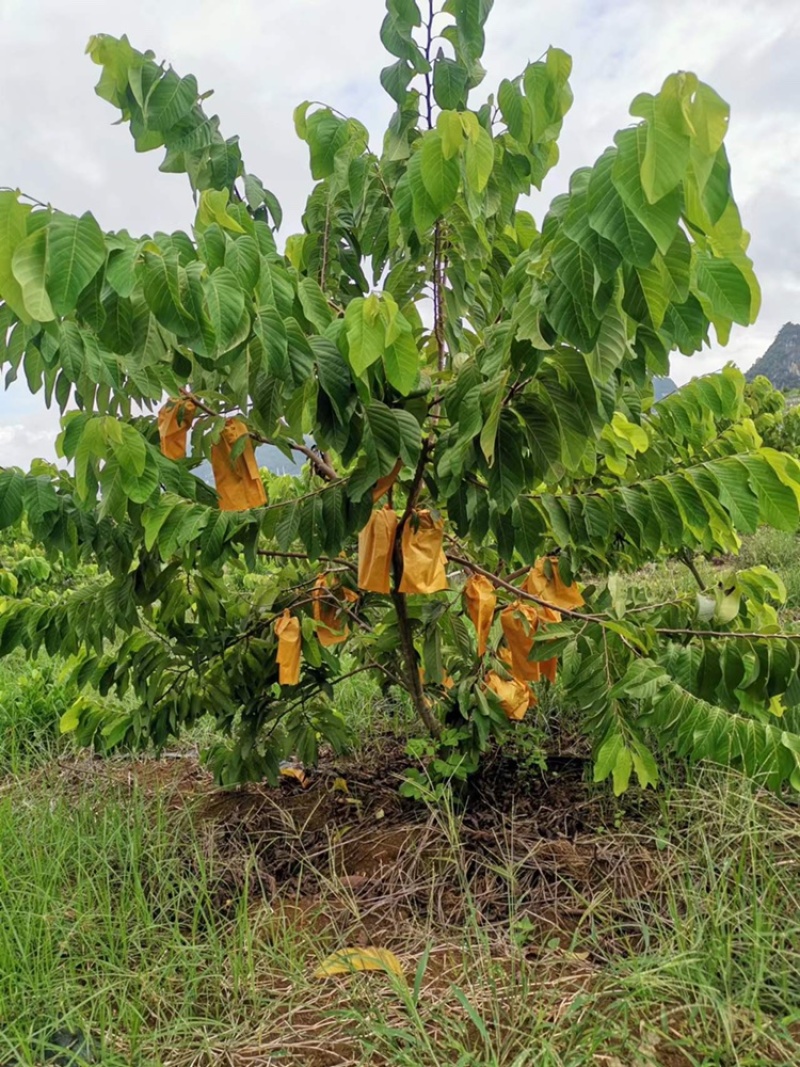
{"x":57,"y":140}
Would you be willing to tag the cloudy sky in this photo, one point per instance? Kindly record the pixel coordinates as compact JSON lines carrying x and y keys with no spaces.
{"x":262,"y":57}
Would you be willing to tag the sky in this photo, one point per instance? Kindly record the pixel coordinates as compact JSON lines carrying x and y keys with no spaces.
{"x":262,"y":57}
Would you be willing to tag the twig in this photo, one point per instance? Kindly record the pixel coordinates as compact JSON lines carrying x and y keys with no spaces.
{"x":523,"y":595}
{"x":302,"y":555}
{"x":742,"y":635}
{"x":325,"y":470}
{"x":689,"y":562}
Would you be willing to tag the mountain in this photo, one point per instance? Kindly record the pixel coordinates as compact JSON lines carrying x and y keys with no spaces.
{"x":663,"y":387}
{"x":781,"y":362}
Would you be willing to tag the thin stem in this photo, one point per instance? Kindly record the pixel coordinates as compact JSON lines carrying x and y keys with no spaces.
{"x":689,"y":562}
{"x":439,"y":307}
{"x":429,"y":72}
{"x":780,"y":636}
{"x":302,"y":555}
{"x":521,"y":594}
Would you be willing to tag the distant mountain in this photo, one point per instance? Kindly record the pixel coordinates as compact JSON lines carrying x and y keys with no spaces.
{"x":663,"y":387}
{"x":781,"y":362}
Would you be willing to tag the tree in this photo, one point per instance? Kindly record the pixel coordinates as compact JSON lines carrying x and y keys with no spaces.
{"x":425,"y":341}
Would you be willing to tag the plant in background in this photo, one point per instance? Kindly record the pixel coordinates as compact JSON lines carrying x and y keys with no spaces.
{"x":776,"y":419}
{"x":471,"y":390}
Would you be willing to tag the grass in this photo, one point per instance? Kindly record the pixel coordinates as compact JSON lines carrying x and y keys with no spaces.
{"x":32,"y":700}
{"x":118,"y":921}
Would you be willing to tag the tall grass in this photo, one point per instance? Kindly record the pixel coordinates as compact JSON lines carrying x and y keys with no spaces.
{"x":32,"y":700}
{"x":116,"y":923}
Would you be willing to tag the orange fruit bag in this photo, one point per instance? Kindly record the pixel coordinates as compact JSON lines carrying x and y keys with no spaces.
{"x":384,"y":484}
{"x":239,"y":487}
{"x":174,"y":422}
{"x":375,"y":548}
{"x":520,"y":622}
{"x":334,"y":628}
{"x":287,"y":630}
{"x":423,"y":557}
{"x":552,"y":589}
{"x":514,"y":696}
{"x":480,"y":600}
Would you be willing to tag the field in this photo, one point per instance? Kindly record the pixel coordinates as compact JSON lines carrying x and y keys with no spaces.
{"x":148,"y":918}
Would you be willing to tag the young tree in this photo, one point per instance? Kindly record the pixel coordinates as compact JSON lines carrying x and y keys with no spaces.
{"x":471,"y":391}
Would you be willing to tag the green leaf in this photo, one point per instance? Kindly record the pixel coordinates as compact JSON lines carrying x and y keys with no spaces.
{"x":76,"y":251}
{"x":13,"y":230}
{"x":315,"y":306}
{"x":402,"y":362}
{"x":225,"y":302}
{"x":667,"y":146}
{"x":725,"y":287}
{"x":326,"y":134}
{"x":451,"y":131}
{"x":381,"y":436}
{"x":12,"y":484}
{"x":516,"y":111}
{"x":242,"y":259}
{"x":735,"y":494}
{"x":450,"y":80}
{"x":611,"y":216}
{"x":491,"y":421}
{"x":29,"y":264}
{"x":659,"y":219}
{"x":479,"y":161}
{"x":169,"y":100}
{"x":623,"y":765}
{"x":606,"y":758}
{"x":395,"y":79}
{"x":440,"y":175}
{"x":365,"y":333}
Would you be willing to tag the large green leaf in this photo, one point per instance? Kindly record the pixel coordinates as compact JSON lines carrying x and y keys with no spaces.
{"x":611,"y":216}
{"x":169,"y":100}
{"x":725,"y":287}
{"x":440,"y":175}
{"x":13,"y":230}
{"x":225,"y":302}
{"x":29,"y":264}
{"x":366,"y":335}
{"x":76,"y":251}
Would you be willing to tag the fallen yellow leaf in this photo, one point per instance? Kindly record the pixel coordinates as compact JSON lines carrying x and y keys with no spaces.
{"x":295,"y":772}
{"x":347,"y":960}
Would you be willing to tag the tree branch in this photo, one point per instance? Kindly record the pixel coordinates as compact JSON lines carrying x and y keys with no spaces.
{"x":325,"y":470}
{"x":521,"y":594}
{"x":429,"y":73}
{"x":302,"y":555}
{"x":413,"y":682}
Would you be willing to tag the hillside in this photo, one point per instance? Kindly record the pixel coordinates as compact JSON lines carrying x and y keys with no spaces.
{"x":781,"y":362}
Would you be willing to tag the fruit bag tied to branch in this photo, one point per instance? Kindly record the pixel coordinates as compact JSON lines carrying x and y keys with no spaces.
{"x":375,"y":548}
{"x":423,"y":557}
{"x":238,"y":484}
{"x":174,"y":422}
{"x":287,"y":630}
{"x":333,"y":628}
{"x":515,"y":697}
{"x":480,"y":600}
